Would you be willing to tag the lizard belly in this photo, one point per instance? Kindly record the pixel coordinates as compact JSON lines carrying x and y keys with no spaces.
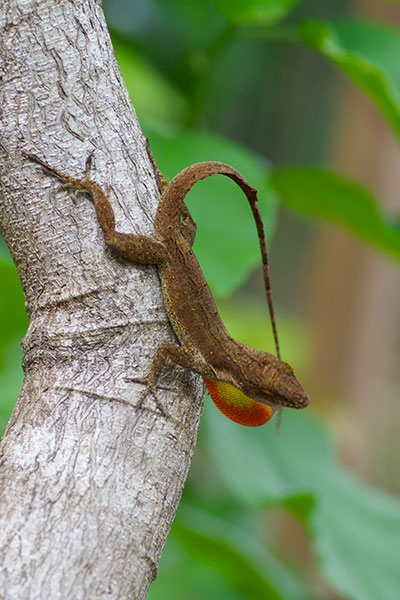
{"x":179,"y":310}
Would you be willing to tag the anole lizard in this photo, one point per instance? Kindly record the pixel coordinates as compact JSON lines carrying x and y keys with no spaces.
{"x":246,"y":384}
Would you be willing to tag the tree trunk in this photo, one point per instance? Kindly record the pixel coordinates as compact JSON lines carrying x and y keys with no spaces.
{"x":89,"y":482}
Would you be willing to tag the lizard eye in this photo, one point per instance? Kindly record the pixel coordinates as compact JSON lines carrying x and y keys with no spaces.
{"x":266,"y":392}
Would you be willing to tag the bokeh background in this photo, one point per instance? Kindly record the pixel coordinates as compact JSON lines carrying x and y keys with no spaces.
{"x":302,"y":97}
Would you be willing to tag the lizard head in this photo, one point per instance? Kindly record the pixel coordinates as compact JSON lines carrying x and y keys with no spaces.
{"x":274,"y":384}
{"x":266,"y":379}
{"x":252,"y":393}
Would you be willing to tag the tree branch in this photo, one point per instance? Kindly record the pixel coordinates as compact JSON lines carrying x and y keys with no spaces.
{"x":89,"y":484}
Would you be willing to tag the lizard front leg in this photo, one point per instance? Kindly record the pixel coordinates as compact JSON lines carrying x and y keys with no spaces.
{"x":178,"y":355}
{"x":138,"y":248}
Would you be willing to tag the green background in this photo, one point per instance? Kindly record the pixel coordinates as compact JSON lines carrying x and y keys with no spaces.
{"x":263,"y":515}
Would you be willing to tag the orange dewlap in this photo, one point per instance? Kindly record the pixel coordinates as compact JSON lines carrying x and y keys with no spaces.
{"x":237,"y":406}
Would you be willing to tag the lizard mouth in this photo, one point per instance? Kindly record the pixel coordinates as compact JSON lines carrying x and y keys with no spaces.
{"x":266,"y":392}
{"x":273,"y":400}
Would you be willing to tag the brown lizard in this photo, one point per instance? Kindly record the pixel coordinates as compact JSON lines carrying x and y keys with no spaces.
{"x":246,"y":384}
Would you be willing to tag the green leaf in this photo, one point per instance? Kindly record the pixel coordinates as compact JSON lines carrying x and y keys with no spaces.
{"x":262,"y":468}
{"x":355,"y":529}
{"x":13,"y":318}
{"x":320,"y":193}
{"x":237,"y":554}
{"x":150,"y":92}
{"x":13,"y":323}
{"x":226,"y":242}
{"x":258,"y":12}
{"x":11,"y":379}
{"x":367,"y":53}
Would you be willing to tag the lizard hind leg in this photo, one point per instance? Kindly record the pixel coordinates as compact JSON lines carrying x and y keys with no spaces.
{"x":166,"y":350}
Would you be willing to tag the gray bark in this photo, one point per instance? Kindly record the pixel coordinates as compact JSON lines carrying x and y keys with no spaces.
{"x":89,"y":483}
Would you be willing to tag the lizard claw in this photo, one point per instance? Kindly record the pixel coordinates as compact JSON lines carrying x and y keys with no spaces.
{"x":88,"y":164}
{"x":143,"y":380}
{"x":148,"y":390}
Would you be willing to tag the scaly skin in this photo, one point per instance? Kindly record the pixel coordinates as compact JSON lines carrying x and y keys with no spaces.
{"x":247,"y":385}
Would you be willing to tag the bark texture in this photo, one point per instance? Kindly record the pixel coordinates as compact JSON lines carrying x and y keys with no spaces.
{"x":89,"y":485}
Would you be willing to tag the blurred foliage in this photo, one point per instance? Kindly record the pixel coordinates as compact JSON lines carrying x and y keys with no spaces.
{"x":207,"y":80}
{"x":13,"y":324}
{"x":211,"y":200}
{"x":350,"y":526}
{"x":345,"y":203}
{"x":254,"y":11}
{"x":367,"y":53}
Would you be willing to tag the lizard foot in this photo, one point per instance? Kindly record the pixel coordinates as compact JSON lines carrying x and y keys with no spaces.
{"x":149,"y":389}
